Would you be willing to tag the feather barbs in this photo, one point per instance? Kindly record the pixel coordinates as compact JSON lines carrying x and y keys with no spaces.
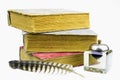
{"x":42,"y":66}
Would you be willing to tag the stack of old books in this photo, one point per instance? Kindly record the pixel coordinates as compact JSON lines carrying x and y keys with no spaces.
{"x":53,"y":35}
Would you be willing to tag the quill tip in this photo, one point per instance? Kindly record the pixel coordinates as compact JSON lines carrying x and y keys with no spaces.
{"x":78,"y":74}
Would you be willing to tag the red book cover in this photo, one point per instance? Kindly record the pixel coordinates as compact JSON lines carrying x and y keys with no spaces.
{"x":48,"y":55}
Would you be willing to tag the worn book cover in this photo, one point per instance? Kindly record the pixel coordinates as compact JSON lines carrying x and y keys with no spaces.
{"x":47,"y":20}
{"x":73,"y":58}
{"x":60,"y":41}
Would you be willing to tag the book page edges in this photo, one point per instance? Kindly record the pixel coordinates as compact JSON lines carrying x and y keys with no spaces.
{"x":38,"y":12}
{"x":84,"y":32}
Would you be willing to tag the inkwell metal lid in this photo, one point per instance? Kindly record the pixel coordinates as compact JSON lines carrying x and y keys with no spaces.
{"x":98,"y":49}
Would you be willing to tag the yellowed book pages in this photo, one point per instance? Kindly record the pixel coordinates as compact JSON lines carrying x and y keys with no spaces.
{"x":74,"y":59}
{"x":46,"y":20}
{"x":62,"y":41}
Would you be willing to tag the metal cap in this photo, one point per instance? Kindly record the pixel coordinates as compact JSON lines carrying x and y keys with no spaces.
{"x":99,"y":47}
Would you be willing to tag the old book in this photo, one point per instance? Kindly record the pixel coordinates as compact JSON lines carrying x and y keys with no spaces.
{"x":62,"y":41}
{"x":46,"y":20}
{"x":73,"y":58}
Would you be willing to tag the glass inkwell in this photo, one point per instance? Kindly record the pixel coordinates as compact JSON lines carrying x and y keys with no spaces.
{"x":102,"y":55}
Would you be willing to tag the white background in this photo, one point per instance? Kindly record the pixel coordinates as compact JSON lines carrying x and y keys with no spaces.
{"x":104,"y":20}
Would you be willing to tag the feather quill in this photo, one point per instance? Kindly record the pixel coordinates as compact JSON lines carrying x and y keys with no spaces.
{"x":38,"y":66}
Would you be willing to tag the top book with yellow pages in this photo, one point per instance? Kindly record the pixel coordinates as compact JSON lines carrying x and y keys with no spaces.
{"x":47,"y":20}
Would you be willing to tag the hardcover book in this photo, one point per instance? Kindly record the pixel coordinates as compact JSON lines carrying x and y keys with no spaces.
{"x":60,"y":41}
{"x":47,"y":20}
{"x":73,"y":58}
